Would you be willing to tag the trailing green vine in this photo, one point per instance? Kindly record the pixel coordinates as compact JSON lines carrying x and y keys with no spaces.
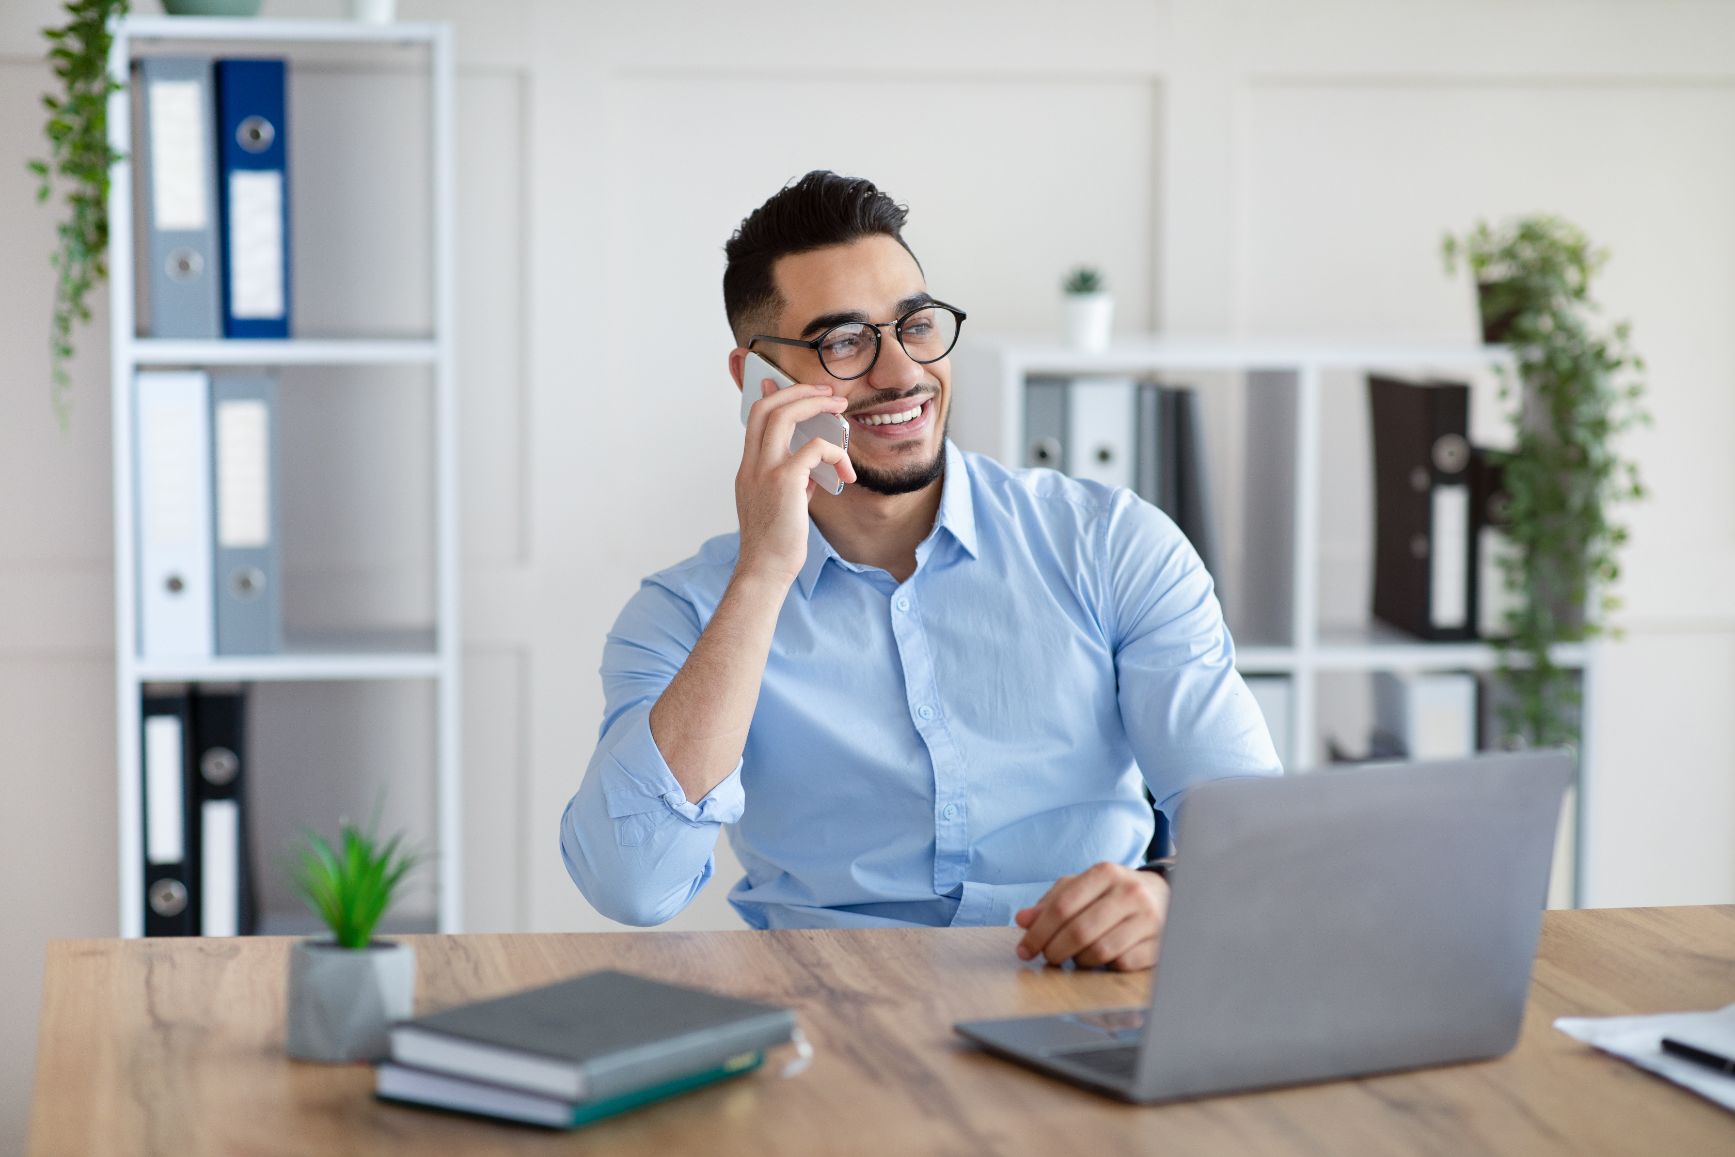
{"x":81,"y":159}
{"x":1576,"y":389}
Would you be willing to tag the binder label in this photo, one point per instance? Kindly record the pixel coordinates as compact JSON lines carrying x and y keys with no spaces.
{"x":256,"y":244}
{"x":165,"y":834}
{"x":1449,"y":582}
{"x":176,"y":494}
{"x":179,"y":164}
{"x":243,"y":474}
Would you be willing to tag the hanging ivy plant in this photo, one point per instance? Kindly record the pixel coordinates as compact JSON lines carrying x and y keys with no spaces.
{"x":79,"y":161}
{"x":1575,"y":389}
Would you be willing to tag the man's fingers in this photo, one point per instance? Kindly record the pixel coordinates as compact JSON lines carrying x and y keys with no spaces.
{"x":818,"y":450}
{"x":1140,"y":956}
{"x":771,"y":399}
{"x":1078,"y":934}
{"x":1117,"y":940}
{"x":780,"y":423}
{"x":1069,"y":896}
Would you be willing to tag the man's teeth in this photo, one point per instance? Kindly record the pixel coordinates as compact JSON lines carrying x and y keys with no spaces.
{"x":908,"y":415}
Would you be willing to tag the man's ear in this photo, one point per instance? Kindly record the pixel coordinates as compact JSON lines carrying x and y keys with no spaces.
{"x":737,"y":363}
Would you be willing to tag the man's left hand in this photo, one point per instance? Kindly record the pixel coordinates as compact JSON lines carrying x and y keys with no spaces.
{"x":1107,"y":915}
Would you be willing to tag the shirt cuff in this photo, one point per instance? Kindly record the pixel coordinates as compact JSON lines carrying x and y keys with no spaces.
{"x":642,"y":783}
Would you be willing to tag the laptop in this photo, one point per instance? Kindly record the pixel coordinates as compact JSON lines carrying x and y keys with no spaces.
{"x":1326,"y":925}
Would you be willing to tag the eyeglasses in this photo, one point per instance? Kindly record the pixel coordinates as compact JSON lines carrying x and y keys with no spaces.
{"x":850,"y":349}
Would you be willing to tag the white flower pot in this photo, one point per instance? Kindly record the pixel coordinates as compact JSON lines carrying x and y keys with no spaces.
{"x":1089,"y":318}
{"x":342,"y":1000}
{"x":373,"y":11}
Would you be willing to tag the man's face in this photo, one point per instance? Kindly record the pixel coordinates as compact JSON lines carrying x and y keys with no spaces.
{"x":873,"y":280}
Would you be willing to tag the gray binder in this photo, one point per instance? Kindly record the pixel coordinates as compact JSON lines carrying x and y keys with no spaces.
{"x":245,"y":527}
{"x":178,"y":171}
{"x":1153,"y":465}
{"x":1193,"y":508}
{"x":1045,"y":422}
{"x":1171,"y":472}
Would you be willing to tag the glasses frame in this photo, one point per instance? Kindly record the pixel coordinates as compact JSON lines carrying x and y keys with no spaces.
{"x":897,"y":328}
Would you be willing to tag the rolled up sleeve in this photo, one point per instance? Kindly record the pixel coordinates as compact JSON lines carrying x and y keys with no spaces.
{"x":631,"y":840}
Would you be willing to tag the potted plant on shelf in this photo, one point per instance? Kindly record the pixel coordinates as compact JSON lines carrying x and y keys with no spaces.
{"x":345,"y":992}
{"x":1089,"y":309}
{"x":80,"y":159}
{"x":1573,"y":390}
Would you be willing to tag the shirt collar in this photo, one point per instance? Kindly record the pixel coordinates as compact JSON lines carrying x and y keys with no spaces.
{"x":957,"y":516}
{"x":957,"y":507}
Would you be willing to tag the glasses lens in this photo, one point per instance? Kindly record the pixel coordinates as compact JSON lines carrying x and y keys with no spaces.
{"x":847,"y":351}
{"x":927,"y":334}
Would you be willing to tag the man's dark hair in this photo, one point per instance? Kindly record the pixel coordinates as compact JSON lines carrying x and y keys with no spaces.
{"x":813,"y":212}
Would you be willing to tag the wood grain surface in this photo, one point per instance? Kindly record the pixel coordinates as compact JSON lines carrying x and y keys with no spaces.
{"x":176,"y":1047}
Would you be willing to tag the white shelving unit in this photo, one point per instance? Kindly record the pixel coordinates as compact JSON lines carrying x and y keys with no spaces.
{"x":431,"y":654}
{"x":1275,"y":614}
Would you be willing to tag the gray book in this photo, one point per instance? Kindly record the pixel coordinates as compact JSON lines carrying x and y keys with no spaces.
{"x":594,"y":1036}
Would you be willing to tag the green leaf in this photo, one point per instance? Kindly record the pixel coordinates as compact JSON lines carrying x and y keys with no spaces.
{"x":351,"y":884}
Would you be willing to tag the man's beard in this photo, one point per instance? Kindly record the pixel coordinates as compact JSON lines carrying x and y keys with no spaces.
{"x":906,"y":479}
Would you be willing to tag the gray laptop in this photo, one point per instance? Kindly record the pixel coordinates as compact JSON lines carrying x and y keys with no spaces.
{"x":1326,"y":925}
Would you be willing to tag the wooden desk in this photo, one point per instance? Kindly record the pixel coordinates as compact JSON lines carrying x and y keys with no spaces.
{"x":175,"y":1047}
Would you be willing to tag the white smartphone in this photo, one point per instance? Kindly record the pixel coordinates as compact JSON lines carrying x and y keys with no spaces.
{"x":832,"y":427}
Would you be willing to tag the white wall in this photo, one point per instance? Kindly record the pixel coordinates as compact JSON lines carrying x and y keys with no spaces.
{"x":1236,"y":167}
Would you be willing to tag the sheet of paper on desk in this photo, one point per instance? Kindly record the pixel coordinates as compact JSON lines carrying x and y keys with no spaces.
{"x":1638,"y":1039}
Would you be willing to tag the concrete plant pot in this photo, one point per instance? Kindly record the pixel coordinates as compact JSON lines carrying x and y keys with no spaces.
{"x":1089,"y":318}
{"x":342,"y":1001}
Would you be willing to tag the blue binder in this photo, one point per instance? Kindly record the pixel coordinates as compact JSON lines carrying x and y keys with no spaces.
{"x":253,"y":148}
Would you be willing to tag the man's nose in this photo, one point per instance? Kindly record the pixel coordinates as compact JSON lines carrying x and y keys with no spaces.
{"x":895,"y":370}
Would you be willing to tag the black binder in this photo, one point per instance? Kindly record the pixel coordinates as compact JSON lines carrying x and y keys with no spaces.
{"x":1425,"y":550}
{"x":228,"y":902}
{"x":171,"y":836}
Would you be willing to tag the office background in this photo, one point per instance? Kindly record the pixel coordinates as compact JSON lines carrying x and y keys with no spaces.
{"x":1236,"y":168}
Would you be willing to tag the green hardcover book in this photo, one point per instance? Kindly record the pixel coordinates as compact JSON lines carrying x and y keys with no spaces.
{"x":591,"y":1038}
{"x":410,"y":1086}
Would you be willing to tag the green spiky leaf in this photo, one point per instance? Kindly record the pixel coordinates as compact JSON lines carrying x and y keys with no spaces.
{"x":351,"y":884}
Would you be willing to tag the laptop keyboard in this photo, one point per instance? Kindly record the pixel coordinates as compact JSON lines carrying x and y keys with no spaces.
{"x":1120,"y":1063}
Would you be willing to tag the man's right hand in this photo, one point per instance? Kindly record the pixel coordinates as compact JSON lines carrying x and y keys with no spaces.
{"x":773,"y":485}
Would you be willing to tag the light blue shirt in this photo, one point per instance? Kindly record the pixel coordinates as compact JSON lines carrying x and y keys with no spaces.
{"x":936,"y":751}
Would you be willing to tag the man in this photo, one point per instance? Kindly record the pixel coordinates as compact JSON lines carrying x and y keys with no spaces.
{"x":926,"y":700}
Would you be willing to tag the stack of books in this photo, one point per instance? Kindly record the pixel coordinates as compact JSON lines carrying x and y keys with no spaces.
{"x":570,"y":1053}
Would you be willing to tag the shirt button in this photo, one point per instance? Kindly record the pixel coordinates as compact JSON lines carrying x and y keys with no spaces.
{"x":951,"y":811}
{"x":925,"y":711}
{"x":903,"y":603}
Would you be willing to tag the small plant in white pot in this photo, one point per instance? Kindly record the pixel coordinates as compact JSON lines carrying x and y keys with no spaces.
{"x":345,"y":992}
{"x":1089,"y":309}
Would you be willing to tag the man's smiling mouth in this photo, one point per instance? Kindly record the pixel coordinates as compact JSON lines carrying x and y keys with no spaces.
{"x":895,"y":418}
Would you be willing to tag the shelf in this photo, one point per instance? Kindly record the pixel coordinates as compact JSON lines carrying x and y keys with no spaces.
{"x":277,"y":32}
{"x":1264,"y":660}
{"x":1374,"y":647}
{"x":1137,"y":353}
{"x":408,"y":654}
{"x":294,"y":352}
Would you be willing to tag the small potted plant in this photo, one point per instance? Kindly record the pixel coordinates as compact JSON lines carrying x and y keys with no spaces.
{"x":1089,"y":309}
{"x":345,"y":992}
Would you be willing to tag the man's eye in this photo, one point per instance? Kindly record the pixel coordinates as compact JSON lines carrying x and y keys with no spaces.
{"x":843,"y":347}
{"x":921,"y":328}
